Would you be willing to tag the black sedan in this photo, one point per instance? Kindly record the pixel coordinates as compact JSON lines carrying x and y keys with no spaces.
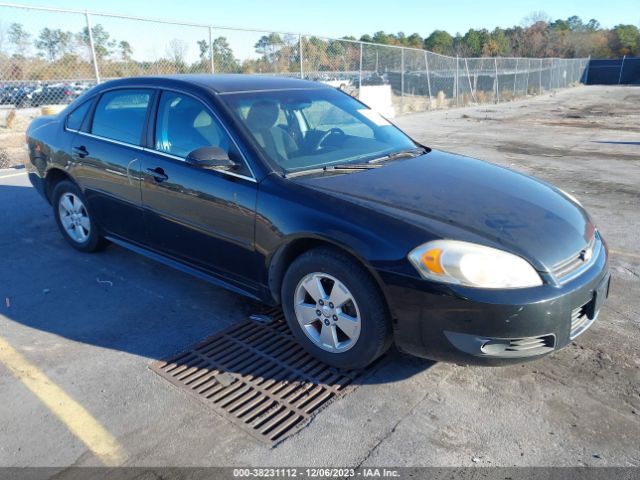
{"x":295,"y":194}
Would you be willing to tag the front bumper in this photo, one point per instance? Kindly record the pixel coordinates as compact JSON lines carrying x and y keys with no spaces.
{"x":493,"y":327}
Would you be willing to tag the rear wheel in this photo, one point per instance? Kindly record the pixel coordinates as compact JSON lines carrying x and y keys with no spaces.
{"x":335,"y":309}
{"x":73,"y":218}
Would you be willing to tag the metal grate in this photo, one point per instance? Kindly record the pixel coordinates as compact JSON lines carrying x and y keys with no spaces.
{"x":257,"y":375}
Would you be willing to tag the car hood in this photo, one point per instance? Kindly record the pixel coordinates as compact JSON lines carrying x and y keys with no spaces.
{"x":508,"y":209}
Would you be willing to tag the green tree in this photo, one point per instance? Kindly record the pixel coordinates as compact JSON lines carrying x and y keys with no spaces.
{"x":575,"y":23}
{"x":625,"y":39}
{"x":223,"y":57}
{"x":439,"y":42}
{"x":593,"y":25}
{"x":414,"y":41}
{"x":125,"y":50}
{"x":383,"y":38}
{"x":473,"y":42}
{"x":203,"y":49}
{"x":268,"y":46}
{"x":52,"y":44}
{"x":102,"y":42}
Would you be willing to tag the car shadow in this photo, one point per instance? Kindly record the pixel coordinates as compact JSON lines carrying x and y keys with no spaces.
{"x":116,"y":299}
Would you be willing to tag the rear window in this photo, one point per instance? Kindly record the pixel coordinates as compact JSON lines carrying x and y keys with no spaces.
{"x":120,"y":115}
{"x":75,"y":118}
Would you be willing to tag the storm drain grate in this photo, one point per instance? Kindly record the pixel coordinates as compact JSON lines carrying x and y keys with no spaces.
{"x":255,"y":374}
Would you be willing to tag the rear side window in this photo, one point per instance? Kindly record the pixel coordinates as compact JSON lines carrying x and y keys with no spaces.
{"x":120,"y":115}
{"x":75,"y":118}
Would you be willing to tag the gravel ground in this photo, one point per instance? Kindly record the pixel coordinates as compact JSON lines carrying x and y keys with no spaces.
{"x":579,"y":406}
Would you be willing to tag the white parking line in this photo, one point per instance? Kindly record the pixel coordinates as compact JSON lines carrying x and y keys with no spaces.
{"x":13,"y":175}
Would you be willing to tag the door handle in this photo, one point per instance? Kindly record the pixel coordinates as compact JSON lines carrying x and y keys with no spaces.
{"x":80,"y":151}
{"x":158,"y":174}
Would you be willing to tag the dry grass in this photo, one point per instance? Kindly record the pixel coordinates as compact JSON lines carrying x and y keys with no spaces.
{"x":13,"y":125}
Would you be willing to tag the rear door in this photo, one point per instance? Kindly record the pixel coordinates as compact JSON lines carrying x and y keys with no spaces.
{"x":108,"y":161}
{"x":201,"y":216}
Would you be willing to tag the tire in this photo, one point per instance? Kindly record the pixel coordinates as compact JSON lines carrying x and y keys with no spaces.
{"x":74,"y":219}
{"x":361,"y":341}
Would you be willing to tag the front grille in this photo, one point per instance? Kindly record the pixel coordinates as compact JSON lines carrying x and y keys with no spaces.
{"x":580,"y":320}
{"x":570,"y":267}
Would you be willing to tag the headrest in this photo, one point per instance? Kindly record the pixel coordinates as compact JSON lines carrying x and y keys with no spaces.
{"x":262,"y":115}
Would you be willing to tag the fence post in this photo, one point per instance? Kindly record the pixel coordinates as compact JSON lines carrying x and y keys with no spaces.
{"x":471,"y":89}
{"x":402,"y":81}
{"x":621,"y":68}
{"x":360,"y":72}
{"x":402,"y":72}
{"x":495,"y":62}
{"x":551,"y":75}
{"x":426,"y":64}
{"x":300,"y":48}
{"x":96,"y":69}
{"x":515,"y":80}
{"x":211,"y":54}
{"x":540,"y":79}
{"x":526,"y":81}
{"x":586,"y":73}
{"x":456,"y":82}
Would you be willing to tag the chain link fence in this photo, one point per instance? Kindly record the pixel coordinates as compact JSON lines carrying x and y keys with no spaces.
{"x":51,"y":56}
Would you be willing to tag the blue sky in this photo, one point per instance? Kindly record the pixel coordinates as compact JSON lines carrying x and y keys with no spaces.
{"x":330,"y":18}
{"x":335,"y":18}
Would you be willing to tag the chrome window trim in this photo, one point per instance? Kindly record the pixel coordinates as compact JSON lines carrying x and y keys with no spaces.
{"x":180,"y":159}
{"x":110,"y":140}
{"x":237,"y":92}
{"x":220,"y":122}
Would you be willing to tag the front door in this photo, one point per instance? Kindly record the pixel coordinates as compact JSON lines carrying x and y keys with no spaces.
{"x":200,"y":216}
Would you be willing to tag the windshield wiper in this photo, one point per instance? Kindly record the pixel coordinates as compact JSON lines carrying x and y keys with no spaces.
{"x":352,"y":166}
{"x":333,"y":168}
{"x":412,"y":152}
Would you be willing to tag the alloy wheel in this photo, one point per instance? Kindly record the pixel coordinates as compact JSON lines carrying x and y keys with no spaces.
{"x":74,"y":217}
{"x":327,"y":312}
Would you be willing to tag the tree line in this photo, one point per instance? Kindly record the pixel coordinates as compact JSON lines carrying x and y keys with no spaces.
{"x":537,"y":37}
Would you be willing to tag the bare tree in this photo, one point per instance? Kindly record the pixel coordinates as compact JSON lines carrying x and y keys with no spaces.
{"x":176,"y":52}
{"x":20,"y":39}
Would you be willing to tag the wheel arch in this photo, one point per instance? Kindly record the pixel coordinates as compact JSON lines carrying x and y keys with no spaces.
{"x":294,"y":247}
{"x":54,"y":176}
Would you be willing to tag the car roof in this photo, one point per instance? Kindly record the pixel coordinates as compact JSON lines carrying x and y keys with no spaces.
{"x":222,"y":83}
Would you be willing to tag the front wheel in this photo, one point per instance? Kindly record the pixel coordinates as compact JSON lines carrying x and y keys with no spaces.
{"x":335,"y":309}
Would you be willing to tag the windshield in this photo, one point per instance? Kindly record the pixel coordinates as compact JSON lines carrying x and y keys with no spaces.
{"x":308,"y":129}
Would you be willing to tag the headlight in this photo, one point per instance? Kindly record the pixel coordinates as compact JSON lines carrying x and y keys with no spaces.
{"x":472,"y":265}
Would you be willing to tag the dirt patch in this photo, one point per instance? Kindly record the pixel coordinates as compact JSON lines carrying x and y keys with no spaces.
{"x":522,"y":148}
{"x":581,"y":122}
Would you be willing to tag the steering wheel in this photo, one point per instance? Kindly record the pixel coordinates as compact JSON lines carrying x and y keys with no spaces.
{"x":327,"y":134}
